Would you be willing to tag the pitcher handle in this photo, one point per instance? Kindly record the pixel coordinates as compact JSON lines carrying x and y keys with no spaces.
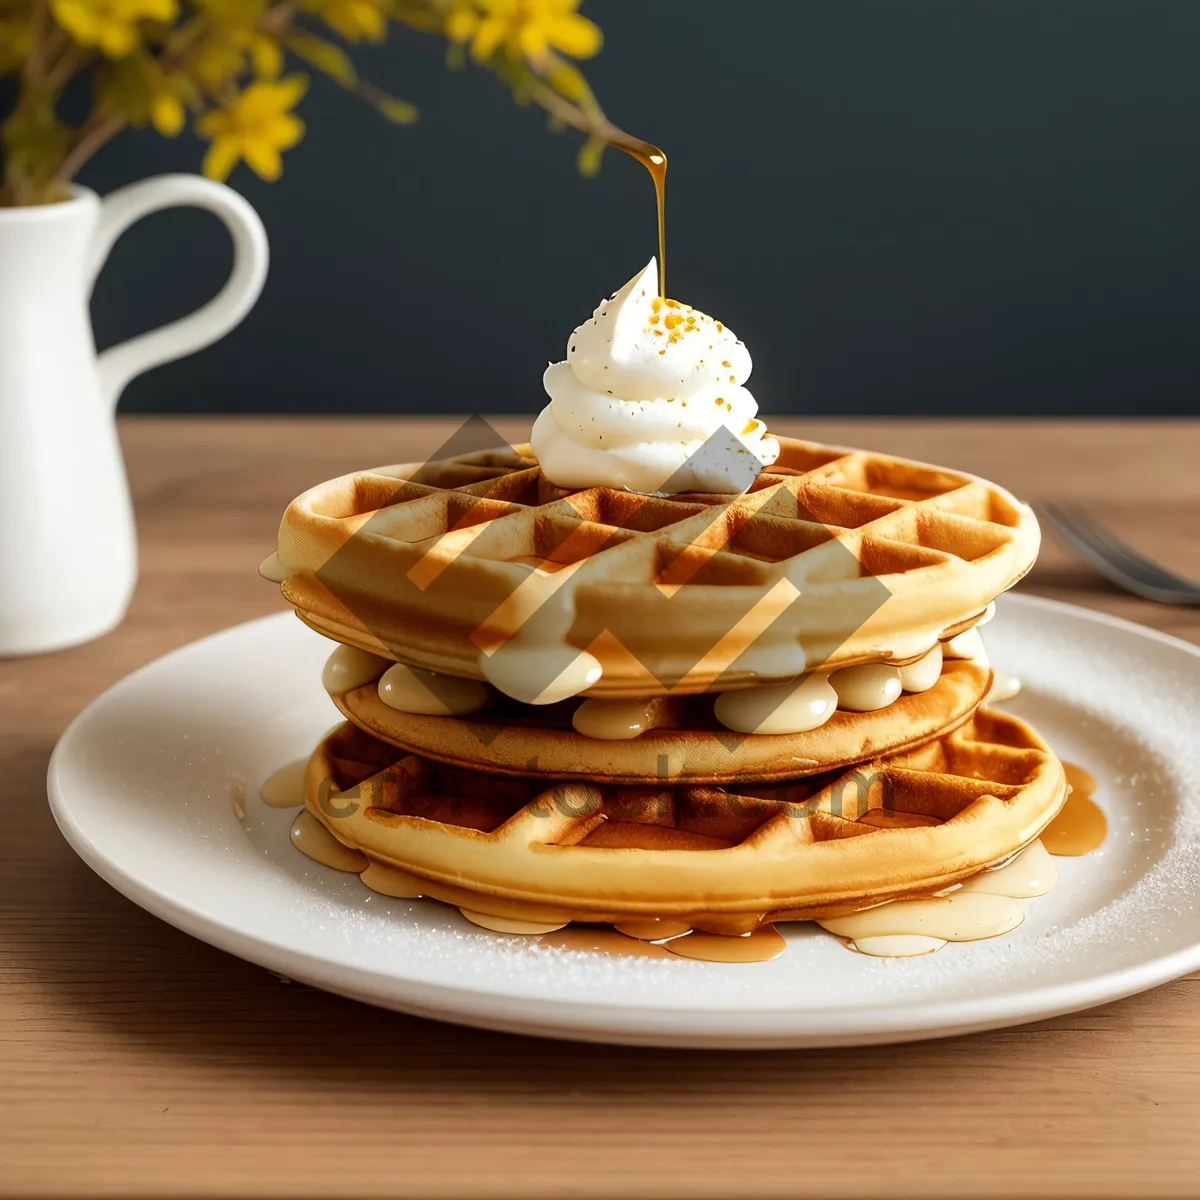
{"x":119,"y":364}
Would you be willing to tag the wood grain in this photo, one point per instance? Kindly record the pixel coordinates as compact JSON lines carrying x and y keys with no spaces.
{"x":138,"y":1062}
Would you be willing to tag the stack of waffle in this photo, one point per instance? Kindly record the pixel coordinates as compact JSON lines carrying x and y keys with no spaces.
{"x":583,"y":705}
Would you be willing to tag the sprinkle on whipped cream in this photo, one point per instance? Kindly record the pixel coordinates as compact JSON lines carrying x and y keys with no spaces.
{"x":650,"y":397}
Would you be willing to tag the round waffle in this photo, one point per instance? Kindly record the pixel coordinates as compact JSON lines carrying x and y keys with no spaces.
{"x":833,"y":557}
{"x":725,"y":860}
{"x":508,"y":738}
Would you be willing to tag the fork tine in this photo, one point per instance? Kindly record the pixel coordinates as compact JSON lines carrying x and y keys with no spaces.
{"x":1081,"y":543}
{"x":1097,"y":539}
{"x":1123,"y":555}
{"x":1082,"y":538}
{"x":1117,"y":561}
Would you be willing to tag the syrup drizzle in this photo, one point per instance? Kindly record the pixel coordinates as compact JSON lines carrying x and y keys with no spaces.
{"x":391,"y":881}
{"x":983,"y":906}
{"x":598,"y":939}
{"x":285,"y":788}
{"x":655,"y":161}
{"x":764,"y":944}
{"x":498,"y":924}
{"x":959,"y":917}
{"x":314,"y":841}
{"x":652,"y":929}
{"x":1081,"y":825}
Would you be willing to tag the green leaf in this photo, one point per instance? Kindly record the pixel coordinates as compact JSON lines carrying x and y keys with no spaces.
{"x":590,"y":155}
{"x":35,"y":143}
{"x":399,"y":111}
{"x":568,"y":81}
{"x":16,"y":40}
{"x":328,"y":58}
{"x":124,"y":88}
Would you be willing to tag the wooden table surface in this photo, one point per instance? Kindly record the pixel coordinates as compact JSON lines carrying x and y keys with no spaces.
{"x":137,"y":1061}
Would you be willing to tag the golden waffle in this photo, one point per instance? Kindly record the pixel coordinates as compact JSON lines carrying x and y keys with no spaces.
{"x":834,"y":556}
{"x":897,"y":827}
{"x":513,"y":739}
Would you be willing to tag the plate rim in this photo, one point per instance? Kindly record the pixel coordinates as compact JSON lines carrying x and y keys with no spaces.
{"x":722,"y":1026}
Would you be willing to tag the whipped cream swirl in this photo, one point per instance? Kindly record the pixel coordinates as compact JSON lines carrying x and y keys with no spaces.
{"x":650,"y":398}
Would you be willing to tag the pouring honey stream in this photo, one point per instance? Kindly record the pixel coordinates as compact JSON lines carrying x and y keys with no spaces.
{"x":655,"y":161}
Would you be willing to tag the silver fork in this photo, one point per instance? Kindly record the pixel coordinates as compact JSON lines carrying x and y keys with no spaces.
{"x":1117,"y":561}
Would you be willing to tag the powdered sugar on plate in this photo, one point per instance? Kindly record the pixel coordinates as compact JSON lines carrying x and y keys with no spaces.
{"x":141,"y":787}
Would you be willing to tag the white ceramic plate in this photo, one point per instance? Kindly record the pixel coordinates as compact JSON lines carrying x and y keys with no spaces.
{"x":145,"y":785}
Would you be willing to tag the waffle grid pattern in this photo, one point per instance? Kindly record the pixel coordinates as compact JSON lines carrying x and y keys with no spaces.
{"x":509,"y":738}
{"x":889,"y":828}
{"x":851,"y":531}
{"x":900,"y":516}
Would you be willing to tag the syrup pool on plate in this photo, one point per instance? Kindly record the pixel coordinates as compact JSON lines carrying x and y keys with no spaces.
{"x":982,"y":906}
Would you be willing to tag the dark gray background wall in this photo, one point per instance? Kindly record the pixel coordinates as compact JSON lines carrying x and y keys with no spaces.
{"x":903,"y":206}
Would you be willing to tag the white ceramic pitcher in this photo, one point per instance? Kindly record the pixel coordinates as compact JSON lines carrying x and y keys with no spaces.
{"x":68,"y":550}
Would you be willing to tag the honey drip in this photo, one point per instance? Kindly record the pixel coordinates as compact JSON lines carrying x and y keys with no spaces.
{"x":510,"y":924}
{"x":655,"y":161}
{"x":272,"y":570}
{"x":896,"y":945}
{"x":620,"y":720}
{"x":314,"y":841}
{"x":764,"y":944}
{"x":984,"y":906}
{"x":652,"y":929}
{"x":650,"y":937}
{"x":596,"y":939}
{"x":959,"y":917}
{"x":284,"y":788}
{"x":390,"y":881}
{"x":1022,"y":876}
{"x":1081,"y":825}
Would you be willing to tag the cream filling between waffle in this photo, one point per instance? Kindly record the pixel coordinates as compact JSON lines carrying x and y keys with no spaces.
{"x":796,"y":706}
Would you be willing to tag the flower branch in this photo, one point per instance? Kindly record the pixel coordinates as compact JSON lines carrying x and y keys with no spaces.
{"x":154,"y":62}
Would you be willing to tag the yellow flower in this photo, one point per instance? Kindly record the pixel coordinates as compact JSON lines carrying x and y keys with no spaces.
{"x":216,"y":61}
{"x":355,"y":20}
{"x":221,"y":58}
{"x":256,"y":126}
{"x":233,"y":34}
{"x":528,"y":28}
{"x":112,"y":25}
{"x":167,"y":113}
{"x":267,"y":56}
